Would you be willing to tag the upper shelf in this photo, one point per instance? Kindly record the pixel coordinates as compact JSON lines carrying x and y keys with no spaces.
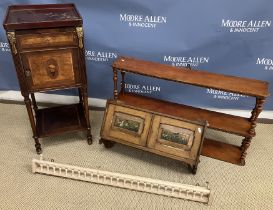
{"x":234,"y":84}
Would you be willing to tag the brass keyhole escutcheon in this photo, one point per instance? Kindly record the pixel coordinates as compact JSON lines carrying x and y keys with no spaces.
{"x":47,"y":40}
{"x":52,"y":68}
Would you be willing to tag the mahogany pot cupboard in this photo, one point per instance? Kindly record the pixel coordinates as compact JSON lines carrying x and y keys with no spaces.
{"x":48,"y":52}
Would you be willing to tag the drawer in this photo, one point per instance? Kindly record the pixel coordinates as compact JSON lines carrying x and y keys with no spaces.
{"x":126,"y":124}
{"x":176,"y":137}
{"x":45,"y":40}
{"x":51,"y":68}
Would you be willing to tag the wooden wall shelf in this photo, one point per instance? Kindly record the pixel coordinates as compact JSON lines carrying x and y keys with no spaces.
{"x":240,"y":126}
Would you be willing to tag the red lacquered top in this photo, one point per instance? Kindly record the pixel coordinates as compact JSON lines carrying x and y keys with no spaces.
{"x":41,"y":16}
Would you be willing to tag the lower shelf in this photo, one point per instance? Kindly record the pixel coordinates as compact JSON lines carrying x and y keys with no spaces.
{"x":222,"y":151}
{"x":60,"y":119}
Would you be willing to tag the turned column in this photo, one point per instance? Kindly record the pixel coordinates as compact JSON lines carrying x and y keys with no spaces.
{"x":86,"y":111}
{"x":122,"y":82}
{"x":253,"y":119}
{"x":115,"y":79}
{"x":80,"y":95}
{"x":34,"y":104}
{"x":32,"y":122}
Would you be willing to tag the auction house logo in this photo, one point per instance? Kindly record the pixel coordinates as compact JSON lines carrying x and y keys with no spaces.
{"x":245,"y":25}
{"x":223,"y":95}
{"x":145,"y":89}
{"x":185,"y":61}
{"x":100,"y":56}
{"x":4,"y":47}
{"x":266,"y":62}
{"x":142,"y":21}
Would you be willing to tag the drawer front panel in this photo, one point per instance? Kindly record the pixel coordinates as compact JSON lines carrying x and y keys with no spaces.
{"x":126,"y":124}
{"x":52,"y":68}
{"x":175,"y":137}
{"x":29,"y":41}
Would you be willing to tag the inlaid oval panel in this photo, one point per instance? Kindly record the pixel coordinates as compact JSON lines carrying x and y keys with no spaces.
{"x":51,"y":68}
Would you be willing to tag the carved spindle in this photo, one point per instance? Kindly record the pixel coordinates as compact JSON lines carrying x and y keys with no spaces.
{"x":253,"y":119}
{"x":245,"y":146}
{"x":115,"y":78}
{"x":122,"y":82}
{"x":255,"y":114}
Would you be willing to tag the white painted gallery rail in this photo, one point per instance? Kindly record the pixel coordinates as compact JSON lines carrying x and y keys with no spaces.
{"x":172,"y":189}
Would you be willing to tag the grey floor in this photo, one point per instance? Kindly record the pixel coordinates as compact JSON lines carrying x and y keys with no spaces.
{"x":232,"y":186}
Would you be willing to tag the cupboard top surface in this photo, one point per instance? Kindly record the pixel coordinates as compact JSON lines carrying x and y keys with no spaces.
{"x":41,"y":16}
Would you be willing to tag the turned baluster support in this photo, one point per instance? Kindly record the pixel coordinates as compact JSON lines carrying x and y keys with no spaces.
{"x":80,"y":95}
{"x":115,"y":78}
{"x":122,"y":82}
{"x":32,"y":123}
{"x":253,"y":119}
{"x":86,"y":111}
{"x":34,"y":104}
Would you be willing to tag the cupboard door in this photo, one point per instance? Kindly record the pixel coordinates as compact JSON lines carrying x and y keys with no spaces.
{"x":126,"y":124}
{"x":175,"y":137}
{"x":51,"y":68}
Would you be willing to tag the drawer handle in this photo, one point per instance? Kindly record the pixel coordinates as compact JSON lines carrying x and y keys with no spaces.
{"x":52,"y":68}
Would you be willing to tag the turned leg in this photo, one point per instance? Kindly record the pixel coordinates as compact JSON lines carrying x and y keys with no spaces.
{"x":122,"y":82}
{"x":86,"y":111}
{"x":115,"y":79}
{"x":194,"y":169}
{"x":80,"y":95}
{"x":253,"y":119}
{"x":34,"y":104}
{"x":245,"y":144}
{"x":107,"y":144}
{"x":32,"y":122}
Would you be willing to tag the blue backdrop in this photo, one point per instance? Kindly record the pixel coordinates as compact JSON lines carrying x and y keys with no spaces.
{"x":228,"y":37}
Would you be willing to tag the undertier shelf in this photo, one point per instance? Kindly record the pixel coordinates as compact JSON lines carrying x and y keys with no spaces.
{"x":222,"y":151}
{"x":60,"y":119}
